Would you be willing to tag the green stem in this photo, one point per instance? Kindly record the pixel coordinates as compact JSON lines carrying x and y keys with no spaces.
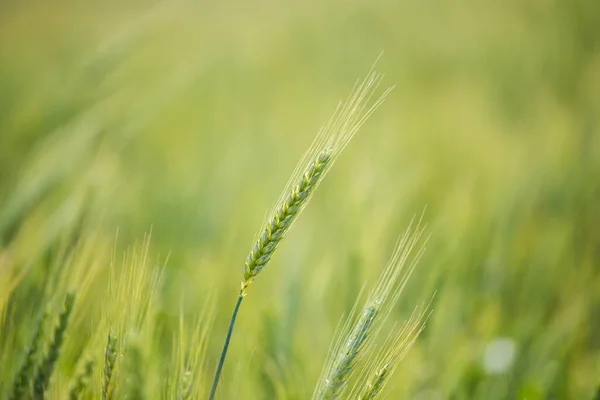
{"x":213,"y":389}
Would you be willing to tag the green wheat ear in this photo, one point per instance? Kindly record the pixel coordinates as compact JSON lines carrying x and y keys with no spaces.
{"x":309,"y":173}
{"x":110,"y":366}
{"x":357,"y":335}
{"x":47,"y":365}
{"x":284,"y":216}
{"x":22,"y":383}
{"x":341,"y":370}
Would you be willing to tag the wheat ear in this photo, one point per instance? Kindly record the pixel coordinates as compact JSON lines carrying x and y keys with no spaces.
{"x":47,"y":365}
{"x":356,"y":338}
{"x":191,"y":355}
{"x":110,"y":366}
{"x":349,"y":353}
{"x":309,"y":173}
{"x":21,"y":385}
{"x":279,"y":224}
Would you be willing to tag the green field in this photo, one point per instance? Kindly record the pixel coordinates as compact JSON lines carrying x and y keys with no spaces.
{"x":142,"y":145}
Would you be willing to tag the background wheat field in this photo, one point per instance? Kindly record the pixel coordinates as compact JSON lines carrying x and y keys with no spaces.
{"x":137,"y":135}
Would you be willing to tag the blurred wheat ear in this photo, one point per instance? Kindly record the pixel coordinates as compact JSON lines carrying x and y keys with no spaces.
{"x":110,"y":364}
{"x":186,"y":376}
{"x":22,"y":383}
{"x":357,"y":335}
{"x":309,"y":173}
{"x":47,"y":365}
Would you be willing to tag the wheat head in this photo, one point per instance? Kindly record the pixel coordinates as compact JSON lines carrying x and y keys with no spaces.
{"x":111,"y":353}
{"x":357,"y":336}
{"x":48,"y":363}
{"x":310,"y":171}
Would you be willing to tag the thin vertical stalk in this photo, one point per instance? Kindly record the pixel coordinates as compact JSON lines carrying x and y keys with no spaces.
{"x":213,"y":388}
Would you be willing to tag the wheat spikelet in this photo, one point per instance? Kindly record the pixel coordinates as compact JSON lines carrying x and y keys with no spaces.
{"x":355,"y":338}
{"x":46,"y":367}
{"x":110,"y":366}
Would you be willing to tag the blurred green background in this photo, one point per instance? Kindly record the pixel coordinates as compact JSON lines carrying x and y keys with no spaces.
{"x":186,"y":118}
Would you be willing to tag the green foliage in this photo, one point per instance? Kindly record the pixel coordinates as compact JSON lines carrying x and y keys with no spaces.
{"x":335,"y":383}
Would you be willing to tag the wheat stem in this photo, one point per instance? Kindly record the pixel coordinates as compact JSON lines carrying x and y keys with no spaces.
{"x":213,"y":389}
